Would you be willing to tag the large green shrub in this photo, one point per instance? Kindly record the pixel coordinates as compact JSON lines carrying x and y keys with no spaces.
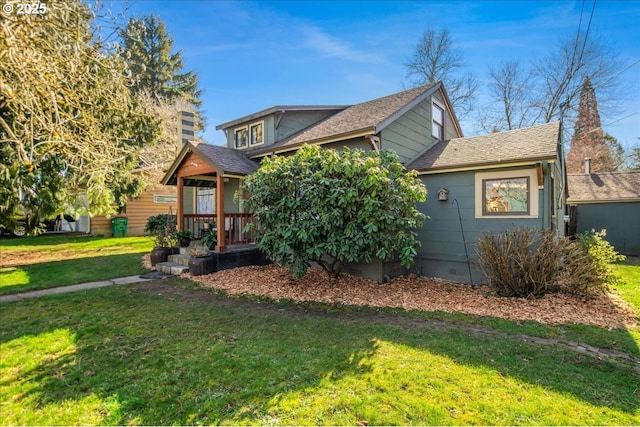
{"x":333,"y":207}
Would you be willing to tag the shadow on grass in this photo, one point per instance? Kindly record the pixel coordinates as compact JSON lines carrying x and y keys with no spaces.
{"x":172,"y":355}
{"x":52,"y":274}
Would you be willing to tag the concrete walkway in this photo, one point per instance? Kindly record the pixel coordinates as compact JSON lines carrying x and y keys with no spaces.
{"x":72,"y":288}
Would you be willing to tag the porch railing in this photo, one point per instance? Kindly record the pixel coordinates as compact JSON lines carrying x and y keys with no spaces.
{"x":234,"y":224}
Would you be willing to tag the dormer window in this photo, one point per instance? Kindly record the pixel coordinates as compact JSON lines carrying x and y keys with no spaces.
{"x":248,"y":136}
{"x":256,"y":133}
{"x":437,"y":117}
{"x":240,"y":137}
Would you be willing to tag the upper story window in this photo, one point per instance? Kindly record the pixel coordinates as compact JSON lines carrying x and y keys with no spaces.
{"x":437,"y":115}
{"x":240,"y":137}
{"x":256,"y":133}
{"x":249,"y":135}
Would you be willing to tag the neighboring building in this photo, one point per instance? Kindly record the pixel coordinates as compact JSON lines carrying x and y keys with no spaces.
{"x":186,"y":126}
{"x":610,"y":201}
{"x":497,"y":181}
{"x":156,"y":199}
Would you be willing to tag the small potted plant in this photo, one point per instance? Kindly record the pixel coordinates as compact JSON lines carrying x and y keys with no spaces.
{"x":184,"y":238}
{"x":209,"y":238}
{"x":162,"y":228}
{"x":201,"y":261}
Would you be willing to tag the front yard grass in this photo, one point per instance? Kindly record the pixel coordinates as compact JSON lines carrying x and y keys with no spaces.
{"x":48,"y":261}
{"x":173,"y":353}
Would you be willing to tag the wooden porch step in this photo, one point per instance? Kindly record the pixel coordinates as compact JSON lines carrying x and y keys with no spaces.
{"x":172,"y":267}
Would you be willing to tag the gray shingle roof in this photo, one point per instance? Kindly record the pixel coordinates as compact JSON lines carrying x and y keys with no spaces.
{"x":226,"y":159}
{"x":603,"y":186}
{"x":533,"y":143}
{"x":367,"y":116}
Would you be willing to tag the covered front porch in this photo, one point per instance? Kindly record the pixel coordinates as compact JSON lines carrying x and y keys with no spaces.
{"x":208,"y":178}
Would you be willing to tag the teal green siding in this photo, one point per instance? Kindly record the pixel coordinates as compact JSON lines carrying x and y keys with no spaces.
{"x":621,"y":220}
{"x":188,"y":200}
{"x":279,"y":126}
{"x":410,"y":134}
{"x":443,"y":252}
{"x":354,"y":143}
{"x":230,"y":188}
{"x":295,"y":121}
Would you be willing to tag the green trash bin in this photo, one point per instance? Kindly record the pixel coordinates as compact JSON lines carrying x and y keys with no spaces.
{"x":119,"y":226}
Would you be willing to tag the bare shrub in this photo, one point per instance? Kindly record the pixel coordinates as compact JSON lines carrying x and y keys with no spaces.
{"x":522,"y":262}
{"x":529,"y":263}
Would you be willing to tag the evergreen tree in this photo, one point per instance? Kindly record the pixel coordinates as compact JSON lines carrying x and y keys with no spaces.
{"x":589,"y":140}
{"x":147,"y":48}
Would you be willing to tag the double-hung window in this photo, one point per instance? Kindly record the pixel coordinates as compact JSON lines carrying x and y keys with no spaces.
{"x":437,"y":119}
{"x":240,"y":137}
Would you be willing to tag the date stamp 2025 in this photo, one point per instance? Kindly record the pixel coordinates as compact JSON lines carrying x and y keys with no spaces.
{"x":26,"y":8}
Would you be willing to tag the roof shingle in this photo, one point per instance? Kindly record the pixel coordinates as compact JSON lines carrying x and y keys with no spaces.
{"x":603,"y":186}
{"x":226,"y":159}
{"x":537,"y":142}
{"x":360,"y":117}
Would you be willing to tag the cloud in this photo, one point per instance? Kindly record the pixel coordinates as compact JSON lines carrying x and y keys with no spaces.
{"x":316,"y":39}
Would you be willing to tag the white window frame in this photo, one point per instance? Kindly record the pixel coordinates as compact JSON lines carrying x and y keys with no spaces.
{"x":235,"y":137}
{"x":435,"y":125}
{"x":160,"y":198}
{"x":250,"y":134}
{"x":533,"y":196}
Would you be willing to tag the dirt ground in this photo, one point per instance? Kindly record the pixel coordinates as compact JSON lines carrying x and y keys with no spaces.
{"x":413,"y":292}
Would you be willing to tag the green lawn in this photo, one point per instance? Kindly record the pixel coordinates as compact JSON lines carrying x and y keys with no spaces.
{"x":174,"y":353}
{"x":49,"y":261}
{"x":171,"y":352}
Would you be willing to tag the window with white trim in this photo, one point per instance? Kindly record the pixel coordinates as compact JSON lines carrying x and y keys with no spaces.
{"x":165,"y":198}
{"x":437,"y":119}
{"x":240,"y":137}
{"x":506,"y":194}
{"x":256,"y":134}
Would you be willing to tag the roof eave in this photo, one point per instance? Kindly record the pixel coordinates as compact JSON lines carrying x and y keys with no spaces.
{"x":276,"y":109}
{"x":319,"y":141}
{"x":483,"y":165}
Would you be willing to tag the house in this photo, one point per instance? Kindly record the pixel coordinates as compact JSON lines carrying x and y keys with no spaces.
{"x":155,"y":199}
{"x":491,"y":183}
{"x":607,"y":200}
{"x":519,"y":173}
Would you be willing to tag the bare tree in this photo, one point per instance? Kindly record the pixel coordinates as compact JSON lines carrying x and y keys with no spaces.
{"x":550,"y":89}
{"x":510,"y":87}
{"x":559,"y":77}
{"x":436,"y":59}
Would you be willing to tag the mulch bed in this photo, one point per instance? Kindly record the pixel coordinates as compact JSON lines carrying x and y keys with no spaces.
{"x":413,"y":292}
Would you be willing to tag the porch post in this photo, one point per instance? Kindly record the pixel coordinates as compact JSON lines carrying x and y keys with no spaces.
{"x":180,"y":203}
{"x":221,"y":244}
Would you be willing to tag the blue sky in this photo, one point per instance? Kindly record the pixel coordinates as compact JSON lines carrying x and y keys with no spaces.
{"x":254,"y":55}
